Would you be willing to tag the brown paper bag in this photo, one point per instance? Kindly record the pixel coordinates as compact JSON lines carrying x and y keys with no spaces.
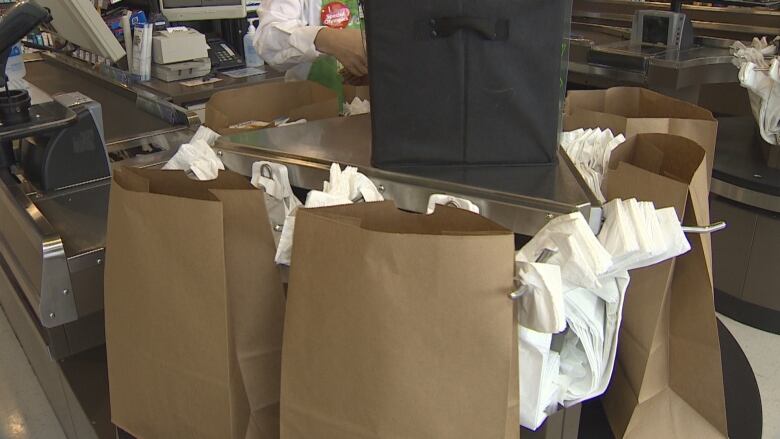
{"x":631,"y":111}
{"x":668,"y":380}
{"x":399,"y":326}
{"x":194,"y":308}
{"x":295,"y":99}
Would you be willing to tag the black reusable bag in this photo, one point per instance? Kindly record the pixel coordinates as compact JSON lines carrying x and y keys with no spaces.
{"x":466,"y":82}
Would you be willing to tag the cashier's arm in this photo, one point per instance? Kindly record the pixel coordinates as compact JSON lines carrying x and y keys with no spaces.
{"x":285,"y":40}
{"x":347,"y":46}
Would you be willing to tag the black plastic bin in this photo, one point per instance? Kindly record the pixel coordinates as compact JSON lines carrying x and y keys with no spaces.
{"x":466,"y":82}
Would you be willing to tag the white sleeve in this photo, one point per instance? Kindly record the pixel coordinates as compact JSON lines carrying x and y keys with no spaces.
{"x":284,"y":39}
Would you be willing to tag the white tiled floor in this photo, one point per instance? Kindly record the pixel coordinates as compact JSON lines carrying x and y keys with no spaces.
{"x":763,"y":352}
{"x":25,"y":413}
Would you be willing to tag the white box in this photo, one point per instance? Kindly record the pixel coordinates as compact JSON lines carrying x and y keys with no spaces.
{"x":179,"y":45}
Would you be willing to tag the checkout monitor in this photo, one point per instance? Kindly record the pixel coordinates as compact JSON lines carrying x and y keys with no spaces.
{"x":190,"y":10}
{"x":655,"y":30}
{"x":78,"y":22}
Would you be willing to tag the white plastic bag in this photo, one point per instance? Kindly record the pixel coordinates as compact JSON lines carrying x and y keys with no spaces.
{"x":541,"y":306}
{"x":280,"y":202}
{"x":344,"y":187}
{"x":594,"y":279}
{"x":447,"y":200}
{"x":198,"y":157}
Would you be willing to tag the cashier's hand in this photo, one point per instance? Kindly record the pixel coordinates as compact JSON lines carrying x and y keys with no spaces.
{"x":351,"y":79}
{"x":347,"y":46}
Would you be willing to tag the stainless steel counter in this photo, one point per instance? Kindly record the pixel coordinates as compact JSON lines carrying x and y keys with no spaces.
{"x":600,"y":56}
{"x":732,"y":23}
{"x":521,"y":198}
{"x":185,"y":95}
{"x":122,"y":119}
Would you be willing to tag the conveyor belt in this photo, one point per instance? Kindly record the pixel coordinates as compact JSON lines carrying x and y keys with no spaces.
{"x":121,"y":118}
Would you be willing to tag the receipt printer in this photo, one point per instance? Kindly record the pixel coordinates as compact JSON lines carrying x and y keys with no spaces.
{"x":175,"y":45}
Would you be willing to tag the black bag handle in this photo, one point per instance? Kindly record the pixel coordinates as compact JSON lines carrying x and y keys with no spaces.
{"x":493,"y":29}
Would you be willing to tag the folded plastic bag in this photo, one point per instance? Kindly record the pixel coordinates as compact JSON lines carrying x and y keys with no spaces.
{"x":585,"y":315}
{"x":618,"y":234}
{"x":538,"y":371}
{"x":593,"y":179}
{"x":590,"y":151}
{"x":637,"y":235}
{"x":594,"y":318}
{"x":674,"y":240}
{"x":579,"y":253}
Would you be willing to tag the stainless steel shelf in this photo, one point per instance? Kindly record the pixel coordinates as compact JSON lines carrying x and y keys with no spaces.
{"x":521,"y":198}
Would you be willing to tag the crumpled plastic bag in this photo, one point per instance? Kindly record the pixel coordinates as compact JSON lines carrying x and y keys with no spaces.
{"x":356,"y":107}
{"x":349,"y":185}
{"x":757,"y":52}
{"x":759,"y":73}
{"x":447,"y":200}
{"x":206,"y":134}
{"x":344,"y":187}
{"x":197,"y":157}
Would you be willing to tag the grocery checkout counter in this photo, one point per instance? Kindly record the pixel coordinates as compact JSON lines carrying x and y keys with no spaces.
{"x":600,"y":56}
{"x":746,"y":176}
{"x":52,"y":242}
{"x":53,"y":251}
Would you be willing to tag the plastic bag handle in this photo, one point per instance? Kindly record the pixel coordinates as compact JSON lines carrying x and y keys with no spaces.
{"x":265,"y":171}
{"x":544,"y":256}
{"x":712,"y":228}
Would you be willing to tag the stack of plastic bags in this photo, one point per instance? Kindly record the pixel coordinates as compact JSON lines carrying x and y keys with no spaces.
{"x":590,"y":151}
{"x":759,"y":73}
{"x":571,"y":304}
{"x":344,"y":187}
{"x":197,"y":157}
